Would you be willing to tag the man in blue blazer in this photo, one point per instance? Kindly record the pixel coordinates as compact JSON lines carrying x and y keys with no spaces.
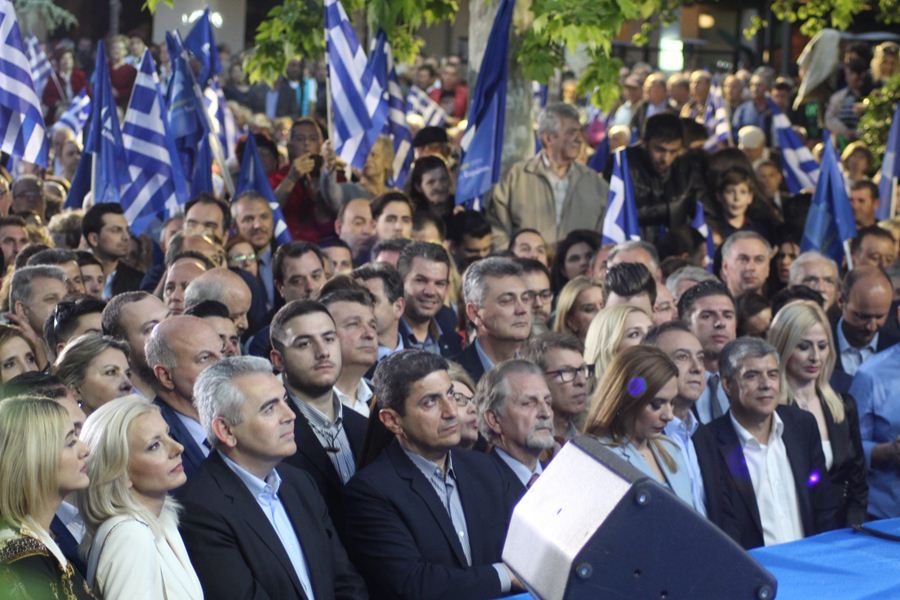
{"x":426,"y":520}
{"x":255,"y":528}
{"x":178,"y":350}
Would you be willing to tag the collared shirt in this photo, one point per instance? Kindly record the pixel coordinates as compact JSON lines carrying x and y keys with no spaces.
{"x":384,"y":351}
{"x":521,"y":470}
{"x":71,"y":518}
{"x":331,"y":435}
{"x":431,"y":342}
{"x":680,"y":432}
{"x":360,"y":402}
{"x":875,"y":390}
{"x":271,"y":103}
{"x":852,"y":357}
{"x":704,"y":403}
{"x":264,"y":260}
{"x":266,"y":495}
{"x":107,"y":286}
{"x":486,"y":362}
{"x":560,"y":186}
{"x":773,"y":483}
{"x":196,"y":431}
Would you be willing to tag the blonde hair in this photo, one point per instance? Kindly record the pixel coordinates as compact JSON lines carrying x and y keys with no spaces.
{"x":565,"y":302}
{"x":32,"y":434}
{"x":78,"y":353}
{"x":107,"y":432}
{"x":605,"y":334}
{"x":878,"y":58}
{"x":788,"y":327}
{"x":634,"y":376}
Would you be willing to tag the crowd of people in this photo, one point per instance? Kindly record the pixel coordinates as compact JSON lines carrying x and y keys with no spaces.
{"x":355,"y":413}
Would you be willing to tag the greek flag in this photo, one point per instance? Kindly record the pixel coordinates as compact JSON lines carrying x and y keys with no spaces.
{"x":41,"y":69}
{"x":104,"y":140}
{"x":157,"y":187}
{"x":77,"y":114}
{"x":22,"y":130}
{"x":253,"y":177}
{"x":890,"y":169}
{"x":830,"y":224}
{"x":352,"y":104}
{"x":201,"y":42}
{"x":420,"y":103}
{"x":716,"y":120}
{"x":801,"y":171}
{"x":620,"y":223}
{"x":220,"y":117}
{"x":482,"y":144}
{"x":391,"y":110}
{"x":699,"y":223}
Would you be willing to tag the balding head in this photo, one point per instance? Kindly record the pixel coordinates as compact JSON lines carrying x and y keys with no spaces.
{"x":222,"y":286}
{"x":865,"y":304}
{"x":178,"y":350}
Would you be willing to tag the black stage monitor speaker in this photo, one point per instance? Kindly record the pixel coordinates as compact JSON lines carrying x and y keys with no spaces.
{"x":594,"y":527}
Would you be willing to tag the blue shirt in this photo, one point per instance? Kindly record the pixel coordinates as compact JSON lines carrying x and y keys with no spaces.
{"x":704,"y":403}
{"x":195,"y":429}
{"x":520,"y":469}
{"x":875,"y":388}
{"x":852,"y":357}
{"x":264,"y":260}
{"x":384,"y":351}
{"x":266,"y":495}
{"x":680,"y":432}
{"x":486,"y":362}
{"x":430,"y":343}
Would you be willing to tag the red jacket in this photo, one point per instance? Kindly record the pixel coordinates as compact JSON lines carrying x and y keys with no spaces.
{"x":300,"y":210}
{"x":54,"y":92}
{"x":460,"y":99}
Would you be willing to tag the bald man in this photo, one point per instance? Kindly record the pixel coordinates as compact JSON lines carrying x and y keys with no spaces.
{"x":177,"y":351}
{"x":225,"y":286}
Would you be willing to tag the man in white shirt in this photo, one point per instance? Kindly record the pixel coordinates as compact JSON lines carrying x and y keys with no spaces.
{"x":762,"y":462}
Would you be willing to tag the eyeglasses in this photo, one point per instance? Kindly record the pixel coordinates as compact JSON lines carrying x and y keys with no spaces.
{"x":461,"y":399}
{"x":241,"y":257}
{"x":544,"y":295}
{"x":568,"y":374}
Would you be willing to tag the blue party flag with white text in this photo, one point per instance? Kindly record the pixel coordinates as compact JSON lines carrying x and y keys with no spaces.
{"x":620,"y":224}
{"x":253,"y":177}
{"x":188,"y":122}
{"x":830,"y":224}
{"x":890,"y":170}
{"x":201,"y":42}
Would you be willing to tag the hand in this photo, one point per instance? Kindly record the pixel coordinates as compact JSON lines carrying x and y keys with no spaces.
{"x":332,"y":161}
{"x":887,"y":453}
{"x":22,"y":325}
{"x":303,"y":165}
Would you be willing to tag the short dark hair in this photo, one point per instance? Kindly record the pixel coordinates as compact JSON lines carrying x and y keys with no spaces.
{"x":423,"y":217}
{"x":663,"y":126}
{"x":390,"y":245}
{"x":630,"y":279}
{"x":652,"y":337}
{"x":293,"y":249}
{"x":207,"y":198}
{"x":354,"y":293}
{"x":93,"y":218}
{"x":389,"y":276}
{"x":35,"y":383}
{"x":702,"y":290}
{"x":15,"y":220}
{"x":86,"y":258}
{"x":530,"y":265}
{"x":351,"y":193}
{"x":423,"y":250}
{"x":194,"y":255}
{"x":470,"y":223}
{"x":746,"y":305}
{"x":209,"y":308}
{"x":515,"y":236}
{"x":334,"y":242}
{"x":296,"y":308}
{"x":537,"y":347}
{"x":52,"y":256}
{"x":865,"y":184}
{"x":733,"y":176}
{"x":381,"y":201}
{"x":870,"y":231}
{"x":793,"y":293}
{"x":27,"y":252}
{"x":111,"y":319}
{"x":62,"y":321}
{"x":397,"y":373}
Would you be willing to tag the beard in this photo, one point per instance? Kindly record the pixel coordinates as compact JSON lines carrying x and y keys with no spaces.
{"x":537,"y":440}
{"x":306,"y":387}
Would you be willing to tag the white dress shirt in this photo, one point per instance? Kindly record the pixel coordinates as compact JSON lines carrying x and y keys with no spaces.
{"x":360,"y":402}
{"x":773,"y":483}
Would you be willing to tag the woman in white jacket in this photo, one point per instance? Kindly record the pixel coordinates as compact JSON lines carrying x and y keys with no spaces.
{"x":133,"y":547}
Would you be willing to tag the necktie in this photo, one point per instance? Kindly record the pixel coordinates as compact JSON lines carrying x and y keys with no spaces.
{"x":713,"y":383}
{"x":532,"y":479}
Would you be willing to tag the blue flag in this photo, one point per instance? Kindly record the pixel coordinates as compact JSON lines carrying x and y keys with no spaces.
{"x":620,"y":224}
{"x":41,"y":69}
{"x":187,"y":121}
{"x":81,"y":182}
{"x":104,"y":139}
{"x":77,"y":114}
{"x":716,"y":120}
{"x":830,"y":224}
{"x":253,"y":177}
{"x":890,"y":169}
{"x":482,"y":144}
{"x":22,"y":129}
{"x":201,"y":177}
{"x":801,"y":171}
{"x":601,"y":153}
{"x":699,"y":224}
{"x":201,"y":42}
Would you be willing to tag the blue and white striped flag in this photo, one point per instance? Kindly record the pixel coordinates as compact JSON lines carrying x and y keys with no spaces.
{"x":699,"y":224}
{"x":77,"y":114}
{"x":392,"y":108}
{"x":220,"y":117}
{"x":890,"y":170}
{"x":253,"y":177}
{"x":801,"y":171}
{"x":41,"y":69}
{"x":420,"y":103}
{"x":351,"y":104}
{"x":830,"y":224}
{"x":716,"y":120}
{"x":22,"y":130}
{"x":620,"y":224}
{"x":158,"y":187}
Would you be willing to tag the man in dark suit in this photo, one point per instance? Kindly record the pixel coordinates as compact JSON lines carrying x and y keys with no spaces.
{"x":253,"y":530}
{"x":329,"y":435}
{"x":177,"y":351}
{"x":425,"y":270}
{"x":860,"y":333}
{"x":515,"y":415}
{"x":426,"y":520}
{"x":762,"y":463}
{"x":105,"y":230}
{"x":498,"y":304}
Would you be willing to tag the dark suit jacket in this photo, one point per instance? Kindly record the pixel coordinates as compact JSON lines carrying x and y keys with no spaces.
{"x":471,"y":362}
{"x":401,"y":537}
{"x":312,"y":458}
{"x":450,"y":343}
{"x":840,"y":380}
{"x":235,"y":550}
{"x":285,"y":106}
{"x":848,"y":469}
{"x":68,"y":544}
{"x":730,"y":499}
{"x":193,"y":455}
{"x":126,"y":279}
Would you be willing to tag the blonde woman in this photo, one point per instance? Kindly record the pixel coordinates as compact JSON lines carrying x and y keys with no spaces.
{"x":884,"y":61}
{"x":41,"y":462}
{"x":578,"y":301}
{"x":801,"y":333}
{"x":135,"y":550}
{"x":630,"y":409}
{"x":96,"y":369}
{"x":612,"y":330}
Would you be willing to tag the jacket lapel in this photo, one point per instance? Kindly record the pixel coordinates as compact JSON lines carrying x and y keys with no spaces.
{"x":730,"y":449}
{"x":308,"y":445}
{"x":800,"y":468}
{"x":192,"y":455}
{"x":309,"y":538}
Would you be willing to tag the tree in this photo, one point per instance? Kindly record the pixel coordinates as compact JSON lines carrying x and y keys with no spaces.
{"x":43,"y":12}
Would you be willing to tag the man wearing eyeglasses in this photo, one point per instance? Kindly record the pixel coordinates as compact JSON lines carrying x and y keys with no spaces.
{"x":516,"y":417}
{"x":537,"y":282}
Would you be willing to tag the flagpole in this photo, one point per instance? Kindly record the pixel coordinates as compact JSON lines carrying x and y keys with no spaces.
{"x":847,"y":255}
